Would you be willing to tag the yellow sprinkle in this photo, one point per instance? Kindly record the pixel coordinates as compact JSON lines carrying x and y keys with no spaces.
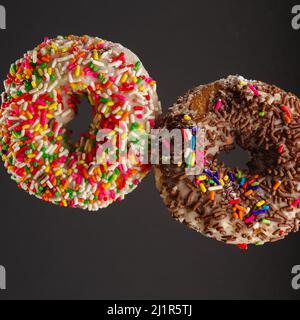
{"x":107,"y":186}
{"x":124,"y":78}
{"x":187,"y":118}
{"x":64,"y":50}
{"x":179,"y":164}
{"x":77,"y":71}
{"x":31,"y":156}
{"x":58,"y":172}
{"x":50,"y":71}
{"x":95,"y":55}
{"x":53,"y":106}
{"x":37,"y":128}
{"x":41,"y":72}
{"x":42,"y":107}
{"x":47,"y":170}
{"x":110,"y":104}
{"x":226,"y":178}
{"x":203,"y":188}
{"x":65,"y":203}
{"x":69,"y":172}
{"x":29,"y":115}
{"x":4,"y":158}
{"x":222,"y":182}
{"x":202,"y":178}
{"x":98,"y":172}
{"x":142,"y":88}
{"x":19,"y":76}
{"x":46,"y":126}
{"x":49,"y":116}
{"x":26,"y":126}
{"x":261,"y":203}
{"x":243,"y":83}
{"x":135,"y":79}
{"x":59,"y":138}
{"x":33,"y":83}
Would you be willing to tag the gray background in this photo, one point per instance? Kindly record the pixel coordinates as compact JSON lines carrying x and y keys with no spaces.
{"x":134,"y":250}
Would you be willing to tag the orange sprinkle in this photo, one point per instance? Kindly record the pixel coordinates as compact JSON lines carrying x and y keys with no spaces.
{"x":66,"y":184}
{"x":212,"y":196}
{"x":241,"y":217}
{"x":235,"y":215}
{"x":288,"y":120}
{"x":125,"y":116}
{"x":277,"y":186}
{"x":249,"y":193}
{"x":241,"y":208}
{"x":85,"y":173}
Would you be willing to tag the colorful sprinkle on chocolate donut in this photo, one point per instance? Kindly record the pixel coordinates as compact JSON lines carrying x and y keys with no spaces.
{"x":254,"y":206}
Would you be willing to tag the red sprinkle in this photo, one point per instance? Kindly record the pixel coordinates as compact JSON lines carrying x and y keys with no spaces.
{"x":243,"y":246}
{"x":235,"y":201}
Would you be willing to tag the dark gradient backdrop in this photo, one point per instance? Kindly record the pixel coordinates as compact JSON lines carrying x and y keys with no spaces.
{"x":134,"y":250}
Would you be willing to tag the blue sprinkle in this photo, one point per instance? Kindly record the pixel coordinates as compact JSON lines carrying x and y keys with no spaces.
{"x":266,"y":207}
{"x":243,"y":181}
{"x":231,"y":177}
{"x":194,"y":131}
{"x":217,"y":175}
{"x":217,"y":181}
{"x":209,"y":173}
{"x":254,"y":188}
{"x":257,"y":213}
{"x":194,"y":143}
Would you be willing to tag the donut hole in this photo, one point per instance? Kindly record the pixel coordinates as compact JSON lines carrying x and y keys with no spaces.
{"x":237,"y":157}
{"x":82,"y":122}
{"x":262,"y":161}
{"x":255,"y":161}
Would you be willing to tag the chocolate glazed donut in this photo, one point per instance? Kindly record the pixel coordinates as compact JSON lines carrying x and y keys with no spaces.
{"x":254,"y":206}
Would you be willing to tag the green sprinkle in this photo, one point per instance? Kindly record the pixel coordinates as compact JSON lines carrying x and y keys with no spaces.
{"x":258,"y":244}
{"x":262,"y":114}
{"x":137,"y":66}
{"x":104,"y":100}
{"x":265,"y":221}
{"x":111,"y":178}
{"x":134,"y":126}
{"x":52,"y":77}
{"x":43,"y":66}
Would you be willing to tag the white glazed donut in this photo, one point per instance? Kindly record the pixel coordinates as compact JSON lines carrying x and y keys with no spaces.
{"x":40,"y":99}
